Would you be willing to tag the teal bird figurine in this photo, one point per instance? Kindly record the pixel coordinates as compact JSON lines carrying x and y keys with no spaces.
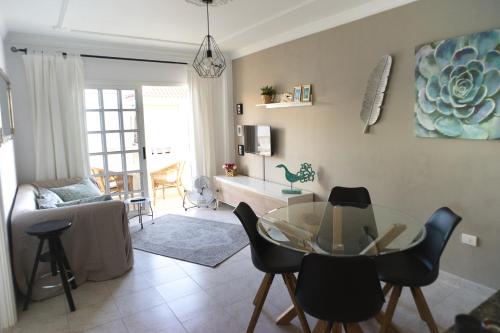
{"x":305,"y":174}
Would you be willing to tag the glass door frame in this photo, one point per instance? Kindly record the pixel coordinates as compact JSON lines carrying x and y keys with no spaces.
{"x":126,"y":192}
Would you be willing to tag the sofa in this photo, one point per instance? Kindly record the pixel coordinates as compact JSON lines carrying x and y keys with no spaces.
{"x":98,"y":244}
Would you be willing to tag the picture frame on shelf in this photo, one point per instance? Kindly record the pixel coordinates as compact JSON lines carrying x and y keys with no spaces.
{"x":297,"y":93}
{"x":306,"y":93}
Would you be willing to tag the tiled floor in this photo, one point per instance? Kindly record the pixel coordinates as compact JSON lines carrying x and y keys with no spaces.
{"x":169,"y":296}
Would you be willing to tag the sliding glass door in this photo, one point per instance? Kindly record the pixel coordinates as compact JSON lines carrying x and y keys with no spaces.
{"x":116,"y":141}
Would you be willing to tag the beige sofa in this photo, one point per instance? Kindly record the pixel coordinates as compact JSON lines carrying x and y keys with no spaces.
{"x":98,"y":244}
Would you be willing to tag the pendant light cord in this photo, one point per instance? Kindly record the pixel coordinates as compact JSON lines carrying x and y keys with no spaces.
{"x":208,"y":27}
{"x":208,"y":21}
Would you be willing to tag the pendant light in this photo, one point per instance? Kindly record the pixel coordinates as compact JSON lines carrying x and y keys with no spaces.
{"x":209,"y":61}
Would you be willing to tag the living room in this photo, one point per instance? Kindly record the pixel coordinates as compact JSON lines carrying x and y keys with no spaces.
{"x":198,"y":149}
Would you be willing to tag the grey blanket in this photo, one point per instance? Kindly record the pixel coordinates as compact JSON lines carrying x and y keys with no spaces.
{"x":98,"y":244}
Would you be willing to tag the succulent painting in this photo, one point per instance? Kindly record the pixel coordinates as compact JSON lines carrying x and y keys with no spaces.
{"x":457,"y":87}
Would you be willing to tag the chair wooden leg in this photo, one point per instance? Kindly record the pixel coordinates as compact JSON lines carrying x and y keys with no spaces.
{"x":290,"y":285}
{"x":391,"y":307}
{"x":320,"y":327}
{"x":259,"y":305}
{"x":387,"y":288}
{"x":423,"y":309}
{"x":328,"y":328}
{"x":263,"y":284}
{"x":286,"y":317}
{"x":352,"y":328}
{"x":337,"y":328}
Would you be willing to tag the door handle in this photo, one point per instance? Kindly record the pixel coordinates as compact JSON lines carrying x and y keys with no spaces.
{"x":144,"y":152}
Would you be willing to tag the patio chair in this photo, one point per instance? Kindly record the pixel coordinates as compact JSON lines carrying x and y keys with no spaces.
{"x":116,"y":184}
{"x":168,"y":177}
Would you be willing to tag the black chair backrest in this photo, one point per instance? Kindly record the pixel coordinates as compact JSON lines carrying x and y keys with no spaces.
{"x":249,"y":220}
{"x":339,"y":289}
{"x":350,"y":196}
{"x":439,"y":228}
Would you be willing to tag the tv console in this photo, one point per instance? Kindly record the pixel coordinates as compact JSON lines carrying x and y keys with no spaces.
{"x":263,"y":196}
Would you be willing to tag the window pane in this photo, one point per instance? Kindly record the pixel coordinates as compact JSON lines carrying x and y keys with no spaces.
{"x":93,"y":121}
{"x":131,"y":140}
{"x":133,"y":162}
{"x":110,"y":99}
{"x":137,"y":195}
{"x":95,"y":143}
{"x":116,"y":183}
{"x":111,"y":121}
{"x":134,"y":181}
{"x":96,"y":164}
{"x":128,"y":99}
{"x":129,"y":120}
{"x":113,"y":142}
{"x":115,"y":163}
{"x":91,"y":99}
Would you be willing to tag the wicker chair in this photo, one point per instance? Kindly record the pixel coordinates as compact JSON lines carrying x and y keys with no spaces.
{"x":168,"y":177}
{"x":115,"y":181}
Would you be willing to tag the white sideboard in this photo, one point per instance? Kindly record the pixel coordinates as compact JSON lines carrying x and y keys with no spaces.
{"x":261,"y":195}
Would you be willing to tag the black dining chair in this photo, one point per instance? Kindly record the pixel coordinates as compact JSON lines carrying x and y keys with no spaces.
{"x":270,"y":259}
{"x":339,"y":291}
{"x":352,"y":195}
{"x":417,"y":267}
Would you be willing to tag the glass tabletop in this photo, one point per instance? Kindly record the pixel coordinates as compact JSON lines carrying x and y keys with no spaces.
{"x":347,"y":229}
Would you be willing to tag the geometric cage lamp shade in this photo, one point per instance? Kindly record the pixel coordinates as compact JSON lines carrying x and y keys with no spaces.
{"x":209,"y":61}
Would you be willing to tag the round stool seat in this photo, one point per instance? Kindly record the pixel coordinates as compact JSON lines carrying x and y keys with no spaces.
{"x":47,"y":228}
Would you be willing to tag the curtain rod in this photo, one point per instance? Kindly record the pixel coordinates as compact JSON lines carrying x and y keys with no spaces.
{"x":25,"y":50}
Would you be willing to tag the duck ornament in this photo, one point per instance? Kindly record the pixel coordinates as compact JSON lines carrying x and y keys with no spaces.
{"x":305,"y":174}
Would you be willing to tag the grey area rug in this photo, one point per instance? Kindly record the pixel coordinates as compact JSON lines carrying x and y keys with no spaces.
{"x":203,"y":242}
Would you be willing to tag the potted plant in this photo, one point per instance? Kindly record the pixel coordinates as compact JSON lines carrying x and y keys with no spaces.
{"x":267,"y":94}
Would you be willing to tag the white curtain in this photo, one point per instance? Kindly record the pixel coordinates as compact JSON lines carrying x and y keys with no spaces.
{"x":212,"y":121}
{"x":56,"y":85}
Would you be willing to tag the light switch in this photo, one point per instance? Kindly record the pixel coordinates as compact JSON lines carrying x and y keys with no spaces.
{"x":469,"y":239}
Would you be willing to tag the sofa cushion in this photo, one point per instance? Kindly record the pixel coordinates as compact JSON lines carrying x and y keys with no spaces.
{"x":84,"y":200}
{"x":47,"y":199}
{"x":84,"y":189}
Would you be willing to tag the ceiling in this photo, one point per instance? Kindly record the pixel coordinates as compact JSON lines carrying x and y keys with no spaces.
{"x":240,"y":27}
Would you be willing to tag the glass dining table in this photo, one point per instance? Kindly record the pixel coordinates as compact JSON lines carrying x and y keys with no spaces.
{"x":344,"y":229}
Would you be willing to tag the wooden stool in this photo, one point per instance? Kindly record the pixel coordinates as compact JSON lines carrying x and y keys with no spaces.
{"x":51,"y":230}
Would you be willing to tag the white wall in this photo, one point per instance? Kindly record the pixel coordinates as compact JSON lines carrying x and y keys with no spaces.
{"x":121,"y":73}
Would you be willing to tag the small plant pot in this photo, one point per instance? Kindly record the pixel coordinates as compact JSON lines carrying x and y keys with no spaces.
{"x":266,"y":99}
{"x":231,"y":173}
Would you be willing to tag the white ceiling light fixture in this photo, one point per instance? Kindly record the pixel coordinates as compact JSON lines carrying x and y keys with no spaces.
{"x":209,"y":61}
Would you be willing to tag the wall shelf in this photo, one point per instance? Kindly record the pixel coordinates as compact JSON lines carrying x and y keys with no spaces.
{"x":284,"y":105}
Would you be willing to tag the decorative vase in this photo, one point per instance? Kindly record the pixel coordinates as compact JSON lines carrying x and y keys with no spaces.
{"x":230,"y":172}
{"x":267,"y":99}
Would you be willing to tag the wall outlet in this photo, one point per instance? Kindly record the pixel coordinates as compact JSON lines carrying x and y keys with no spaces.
{"x":469,"y":239}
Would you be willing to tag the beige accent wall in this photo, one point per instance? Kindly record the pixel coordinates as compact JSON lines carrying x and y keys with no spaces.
{"x":415,"y":175}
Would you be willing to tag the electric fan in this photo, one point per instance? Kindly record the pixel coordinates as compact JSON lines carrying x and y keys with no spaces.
{"x":201,"y":195}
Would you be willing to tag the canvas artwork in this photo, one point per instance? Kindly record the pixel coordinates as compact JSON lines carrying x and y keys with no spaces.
{"x":457,"y":84}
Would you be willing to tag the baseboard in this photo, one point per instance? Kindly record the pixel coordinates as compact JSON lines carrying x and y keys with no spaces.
{"x":460,"y":282}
